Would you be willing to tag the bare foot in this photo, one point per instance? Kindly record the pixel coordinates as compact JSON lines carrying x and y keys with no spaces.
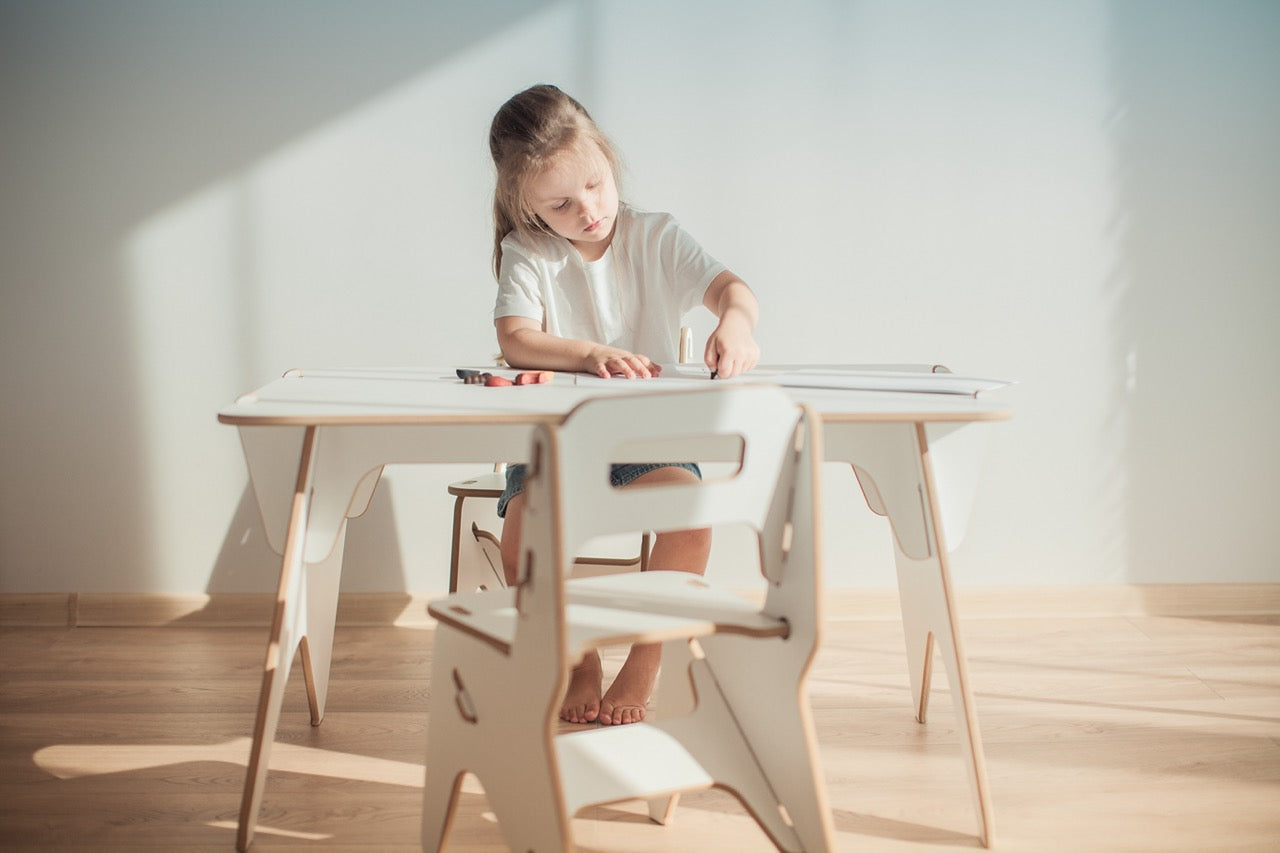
{"x":582,"y":700}
{"x":627,"y":696}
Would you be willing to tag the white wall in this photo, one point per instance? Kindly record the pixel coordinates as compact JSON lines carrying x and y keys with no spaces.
{"x":1083,"y":196}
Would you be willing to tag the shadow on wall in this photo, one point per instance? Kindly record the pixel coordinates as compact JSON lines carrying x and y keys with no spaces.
{"x":1197,"y":126}
{"x":112,"y":113}
{"x":371,"y":556}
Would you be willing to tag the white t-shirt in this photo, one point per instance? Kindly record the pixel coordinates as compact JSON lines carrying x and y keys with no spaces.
{"x":633,"y":298}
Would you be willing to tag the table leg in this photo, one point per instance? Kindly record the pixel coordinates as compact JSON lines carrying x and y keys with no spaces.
{"x":894,"y":464}
{"x":288,"y":625}
{"x":929,"y":619}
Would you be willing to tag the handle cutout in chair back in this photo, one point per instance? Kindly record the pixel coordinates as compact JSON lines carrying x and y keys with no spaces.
{"x":741,"y":434}
{"x":719,"y":456}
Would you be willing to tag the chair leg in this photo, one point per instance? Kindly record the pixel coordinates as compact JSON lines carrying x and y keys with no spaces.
{"x":777,"y":729}
{"x":475,"y":561}
{"x":515,"y":771}
{"x":529,"y":810}
{"x":451,"y":737}
{"x":471,"y":729}
{"x":491,"y":549}
{"x":455,"y":552}
{"x":662,"y":810}
{"x":439,"y":803}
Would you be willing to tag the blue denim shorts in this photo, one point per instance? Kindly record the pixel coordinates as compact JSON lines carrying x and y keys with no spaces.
{"x":619,"y":476}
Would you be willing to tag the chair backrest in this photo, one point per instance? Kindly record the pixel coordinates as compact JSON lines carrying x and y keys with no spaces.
{"x":772,"y":443}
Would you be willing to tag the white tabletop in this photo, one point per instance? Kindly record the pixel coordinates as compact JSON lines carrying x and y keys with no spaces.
{"x":430,"y":395}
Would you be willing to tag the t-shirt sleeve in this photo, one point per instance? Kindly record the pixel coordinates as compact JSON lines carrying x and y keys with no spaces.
{"x":519,"y":286}
{"x":690,"y":269}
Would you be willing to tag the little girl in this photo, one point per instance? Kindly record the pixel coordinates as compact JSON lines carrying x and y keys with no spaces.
{"x":588,"y":284}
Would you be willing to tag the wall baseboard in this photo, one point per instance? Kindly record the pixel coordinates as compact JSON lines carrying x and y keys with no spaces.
{"x":403,"y":609}
{"x":229,"y":610}
{"x":1033,"y":602}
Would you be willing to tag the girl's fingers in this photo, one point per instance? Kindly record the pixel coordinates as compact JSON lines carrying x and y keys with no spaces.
{"x":638,"y":366}
{"x":732,"y":363}
{"x":629,"y":366}
{"x":728,"y":366}
{"x":619,"y":365}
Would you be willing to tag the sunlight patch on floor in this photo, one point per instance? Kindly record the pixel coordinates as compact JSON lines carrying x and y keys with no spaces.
{"x":260,"y":829}
{"x":73,"y":761}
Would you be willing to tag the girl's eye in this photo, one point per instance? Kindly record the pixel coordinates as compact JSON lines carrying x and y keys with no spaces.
{"x":564,"y":205}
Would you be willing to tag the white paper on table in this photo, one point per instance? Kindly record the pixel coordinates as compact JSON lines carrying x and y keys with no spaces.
{"x":851,"y":378}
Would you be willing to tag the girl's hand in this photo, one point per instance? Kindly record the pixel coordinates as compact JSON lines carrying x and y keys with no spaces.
{"x":731,"y":349}
{"x":526,"y":347}
{"x":606,"y":362}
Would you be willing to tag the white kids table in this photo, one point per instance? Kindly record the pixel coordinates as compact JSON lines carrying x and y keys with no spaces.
{"x":316,"y":443}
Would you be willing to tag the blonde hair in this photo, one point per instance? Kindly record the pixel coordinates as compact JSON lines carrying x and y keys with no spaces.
{"x":528,"y":132}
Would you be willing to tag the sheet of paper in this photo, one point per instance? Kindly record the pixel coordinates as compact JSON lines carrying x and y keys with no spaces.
{"x":852,"y":378}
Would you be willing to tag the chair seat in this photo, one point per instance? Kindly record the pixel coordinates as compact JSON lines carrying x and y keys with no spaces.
{"x":488,"y":485}
{"x":676,"y":594}
{"x":491,"y":616}
{"x":478,"y":563}
{"x":640,"y":607}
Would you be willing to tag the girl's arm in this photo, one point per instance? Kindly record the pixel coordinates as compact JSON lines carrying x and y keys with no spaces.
{"x":731,"y":349}
{"x":525,"y":345}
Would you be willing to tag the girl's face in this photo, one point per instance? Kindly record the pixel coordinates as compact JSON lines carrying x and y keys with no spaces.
{"x":578,"y":199}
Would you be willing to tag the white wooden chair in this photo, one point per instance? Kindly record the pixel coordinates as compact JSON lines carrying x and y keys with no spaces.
{"x":502,"y":658}
{"x":475,"y":556}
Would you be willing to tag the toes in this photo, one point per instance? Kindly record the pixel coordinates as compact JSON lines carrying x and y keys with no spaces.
{"x":580,"y":713}
{"x":621,"y":715}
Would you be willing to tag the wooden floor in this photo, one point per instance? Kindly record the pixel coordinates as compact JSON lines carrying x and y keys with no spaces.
{"x":1102,"y":734}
